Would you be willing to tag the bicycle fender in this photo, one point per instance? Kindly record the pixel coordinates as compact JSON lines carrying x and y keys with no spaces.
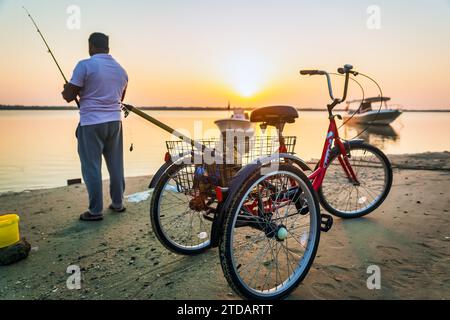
{"x":266,"y":160}
{"x":219,"y":219}
{"x":349,"y":145}
{"x":353,"y":143}
{"x":159,"y":173}
{"x":167,"y":165}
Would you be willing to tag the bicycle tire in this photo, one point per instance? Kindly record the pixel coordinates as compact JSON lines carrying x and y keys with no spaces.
{"x":155,"y":218}
{"x":225,"y":246}
{"x":380,"y":198}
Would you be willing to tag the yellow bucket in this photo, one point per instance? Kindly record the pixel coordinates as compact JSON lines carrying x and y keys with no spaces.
{"x":9,"y":230}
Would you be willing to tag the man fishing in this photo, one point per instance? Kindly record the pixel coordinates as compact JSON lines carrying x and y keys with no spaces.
{"x":101,"y":84}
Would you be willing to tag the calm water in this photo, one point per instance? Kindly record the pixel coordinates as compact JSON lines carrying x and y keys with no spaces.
{"x":38,"y":148}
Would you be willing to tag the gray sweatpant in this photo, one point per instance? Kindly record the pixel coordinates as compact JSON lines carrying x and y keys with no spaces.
{"x":94,"y":141}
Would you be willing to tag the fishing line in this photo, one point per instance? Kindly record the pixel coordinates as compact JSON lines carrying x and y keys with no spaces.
{"x":49,"y":50}
{"x":129,"y":133}
{"x":131,"y":137}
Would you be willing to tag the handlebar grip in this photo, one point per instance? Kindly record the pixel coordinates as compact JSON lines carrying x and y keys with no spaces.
{"x":346,"y":69}
{"x":311,"y":72}
{"x":308,"y":72}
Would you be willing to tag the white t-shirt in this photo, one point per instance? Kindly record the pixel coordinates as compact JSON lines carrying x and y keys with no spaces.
{"x":103,"y":81}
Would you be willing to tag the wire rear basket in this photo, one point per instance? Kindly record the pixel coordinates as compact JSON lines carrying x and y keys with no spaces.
{"x":219,"y":161}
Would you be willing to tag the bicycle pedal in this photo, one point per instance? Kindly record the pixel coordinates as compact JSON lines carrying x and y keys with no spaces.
{"x":326,"y":222}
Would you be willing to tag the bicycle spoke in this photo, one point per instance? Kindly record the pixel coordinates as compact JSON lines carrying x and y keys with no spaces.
{"x":347,"y":197}
{"x":182,"y":226}
{"x":263,"y":261}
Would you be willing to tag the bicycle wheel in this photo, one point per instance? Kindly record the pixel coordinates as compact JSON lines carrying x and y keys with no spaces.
{"x":177,"y":226}
{"x":346,"y":199}
{"x":270,"y":240}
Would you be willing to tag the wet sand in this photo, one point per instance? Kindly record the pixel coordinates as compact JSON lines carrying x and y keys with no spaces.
{"x":408,"y":237}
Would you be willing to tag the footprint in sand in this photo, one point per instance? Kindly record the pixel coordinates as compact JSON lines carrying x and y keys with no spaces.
{"x":351,"y":286}
{"x":423,"y":244}
{"x":338,"y":273}
{"x":409,"y":271}
{"x":337,"y":269}
{"x":336,"y":245}
{"x":396,"y":262}
{"x":389,"y":250}
{"x":322,"y":290}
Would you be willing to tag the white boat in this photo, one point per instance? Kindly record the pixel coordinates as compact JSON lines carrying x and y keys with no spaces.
{"x":239,"y":122}
{"x":366,"y":114}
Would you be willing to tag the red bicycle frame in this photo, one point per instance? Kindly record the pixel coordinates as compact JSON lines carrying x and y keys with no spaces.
{"x":333,"y":135}
{"x":319,"y":174}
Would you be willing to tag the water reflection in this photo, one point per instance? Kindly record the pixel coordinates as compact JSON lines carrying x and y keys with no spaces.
{"x":381,"y":136}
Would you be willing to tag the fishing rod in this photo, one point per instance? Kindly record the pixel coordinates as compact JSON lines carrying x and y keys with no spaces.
{"x":49,"y":50}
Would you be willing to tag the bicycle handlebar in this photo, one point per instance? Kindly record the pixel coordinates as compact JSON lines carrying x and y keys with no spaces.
{"x":312,"y":72}
{"x":346,"y":70}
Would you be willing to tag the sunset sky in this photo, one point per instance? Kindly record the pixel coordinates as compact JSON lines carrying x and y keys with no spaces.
{"x":207,"y":52}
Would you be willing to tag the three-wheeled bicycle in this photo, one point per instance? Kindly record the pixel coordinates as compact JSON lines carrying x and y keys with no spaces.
{"x":250,"y":197}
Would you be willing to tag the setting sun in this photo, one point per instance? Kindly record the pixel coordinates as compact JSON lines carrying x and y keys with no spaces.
{"x":247,"y":75}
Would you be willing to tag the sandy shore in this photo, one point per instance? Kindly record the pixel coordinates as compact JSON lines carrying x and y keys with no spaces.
{"x":408,"y":238}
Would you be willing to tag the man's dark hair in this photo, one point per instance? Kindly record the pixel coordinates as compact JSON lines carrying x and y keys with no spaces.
{"x":99,"y":40}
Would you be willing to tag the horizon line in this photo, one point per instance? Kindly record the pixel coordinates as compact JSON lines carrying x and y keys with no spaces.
{"x":187,"y":108}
